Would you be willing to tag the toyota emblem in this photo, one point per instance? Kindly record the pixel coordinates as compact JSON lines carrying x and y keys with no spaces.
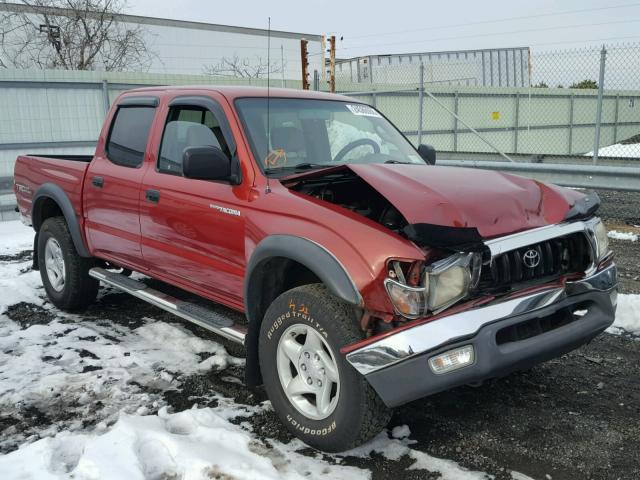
{"x":531,"y":258}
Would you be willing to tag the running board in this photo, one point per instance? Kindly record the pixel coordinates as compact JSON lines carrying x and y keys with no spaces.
{"x":201,"y":316}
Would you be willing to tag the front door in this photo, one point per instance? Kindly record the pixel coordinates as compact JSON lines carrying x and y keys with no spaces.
{"x":193,"y":230}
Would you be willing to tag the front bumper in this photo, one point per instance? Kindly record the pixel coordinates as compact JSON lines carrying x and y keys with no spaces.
{"x":507,"y":335}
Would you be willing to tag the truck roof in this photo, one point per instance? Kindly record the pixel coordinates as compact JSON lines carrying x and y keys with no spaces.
{"x":234,"y":91}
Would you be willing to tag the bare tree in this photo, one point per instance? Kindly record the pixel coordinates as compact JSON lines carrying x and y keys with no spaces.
{"x":71,"y":35}
{"x":243,"y":68}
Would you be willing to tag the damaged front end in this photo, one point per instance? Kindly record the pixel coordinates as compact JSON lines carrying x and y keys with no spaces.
{"x":443,"y":283}
{"x":466,"y":234}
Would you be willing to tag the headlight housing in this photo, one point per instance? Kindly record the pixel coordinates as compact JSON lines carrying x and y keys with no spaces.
{"x":444,"y":283}
{"x":601,"y":239}
{"x":450,"y":280}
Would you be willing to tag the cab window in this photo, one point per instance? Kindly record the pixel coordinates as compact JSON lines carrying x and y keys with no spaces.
{"x":188,"y":127}
{"x":128,"y":137}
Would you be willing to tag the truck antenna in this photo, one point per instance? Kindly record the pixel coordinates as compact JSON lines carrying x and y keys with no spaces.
{"x":268,"y":189}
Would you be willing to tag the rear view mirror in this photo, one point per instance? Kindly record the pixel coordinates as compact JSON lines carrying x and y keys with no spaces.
{"x":206,"y":163}
{"x":428,"y":153}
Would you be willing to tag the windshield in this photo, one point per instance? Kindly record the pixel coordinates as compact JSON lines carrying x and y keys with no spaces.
{"x":305,"y":133}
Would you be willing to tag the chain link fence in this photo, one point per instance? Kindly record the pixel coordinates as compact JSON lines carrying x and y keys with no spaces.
{"x":581,"y":103}
{"x":514,"y":104}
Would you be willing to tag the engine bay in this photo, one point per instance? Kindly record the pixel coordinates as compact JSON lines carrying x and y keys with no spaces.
{"x":348,"y":190}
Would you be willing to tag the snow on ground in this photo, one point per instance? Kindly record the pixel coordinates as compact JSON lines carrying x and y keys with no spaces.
{"x":398,"y":447}
{"x":15,"y":237}
{"x":632,"y":237}
{"x":627,"y":315}
{"x":103,"y":383}
{"x":631,"y":150}
{"x":195,"y":443}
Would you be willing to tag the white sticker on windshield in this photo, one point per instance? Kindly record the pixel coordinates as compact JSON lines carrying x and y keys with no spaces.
{"x":363,"y":110}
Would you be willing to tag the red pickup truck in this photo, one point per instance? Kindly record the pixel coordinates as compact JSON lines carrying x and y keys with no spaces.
{"x":369,"y":277}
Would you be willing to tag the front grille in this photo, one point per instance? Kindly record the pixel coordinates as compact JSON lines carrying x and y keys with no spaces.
{"x":556,"y":257}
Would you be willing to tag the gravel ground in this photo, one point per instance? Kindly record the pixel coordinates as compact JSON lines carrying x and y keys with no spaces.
{"x":620,"y":207}
{"x":575,"y":417}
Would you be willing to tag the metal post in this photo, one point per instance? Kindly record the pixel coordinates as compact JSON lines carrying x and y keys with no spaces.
{"x":517,"y":119}
{"x":304,"y":61}
{"x":421,"y":102}
{"x":571,"y":100}
{"x":455,"y":121}
{"x":374,"y":101}
{"x":316,"y":80}
{"x":596,"y":140}
{"x":615,"y":121}
{"x":105,"y":97}
{"x":282,"y":63}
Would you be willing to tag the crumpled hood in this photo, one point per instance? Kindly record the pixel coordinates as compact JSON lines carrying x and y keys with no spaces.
{"x":494,"y":203}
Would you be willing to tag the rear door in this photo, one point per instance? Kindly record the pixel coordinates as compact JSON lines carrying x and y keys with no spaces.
{"x":112,"y":184}
{"x":193,"y":230}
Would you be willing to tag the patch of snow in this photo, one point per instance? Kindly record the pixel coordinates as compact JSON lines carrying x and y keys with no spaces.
{"x":401,"y":431}
{"x":19,"y":284}
{"x":394,"y":449}
{"x":627,"y":315}
{"x":616,"y":235}
{"x":519,"y":476}
{"x":631,"y":150}
{"x":193,"y":444}
{"x":15,"y":237}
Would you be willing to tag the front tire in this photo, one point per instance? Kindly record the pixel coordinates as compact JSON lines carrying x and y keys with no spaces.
{"x":64,"y":273}
{"x":317,"y":394}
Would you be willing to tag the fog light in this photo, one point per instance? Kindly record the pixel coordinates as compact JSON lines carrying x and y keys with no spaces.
{"x":452,"y":360}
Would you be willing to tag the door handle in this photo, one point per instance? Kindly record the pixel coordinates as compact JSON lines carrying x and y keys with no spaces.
{"x":97,"y":182}
{"x":152,"y":196}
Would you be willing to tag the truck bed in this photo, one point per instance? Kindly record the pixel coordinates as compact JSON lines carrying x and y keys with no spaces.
{"x":64,"y":171}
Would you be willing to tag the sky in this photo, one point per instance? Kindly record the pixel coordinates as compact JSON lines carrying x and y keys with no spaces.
{"x":404,"y":26}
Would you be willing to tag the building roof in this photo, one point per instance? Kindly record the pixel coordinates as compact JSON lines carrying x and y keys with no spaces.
{"x":165,"y":22}
{"x":443,"y":52}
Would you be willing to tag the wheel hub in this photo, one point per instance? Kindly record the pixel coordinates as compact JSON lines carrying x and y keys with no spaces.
{"x":308,"y":372}
{"x":311,"y":366}
{"x":54,"y":264}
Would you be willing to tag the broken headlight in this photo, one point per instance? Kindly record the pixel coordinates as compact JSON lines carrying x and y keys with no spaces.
{"x":444,"y":283}
{"x":601,"y":238}
{"x":450,"y":280}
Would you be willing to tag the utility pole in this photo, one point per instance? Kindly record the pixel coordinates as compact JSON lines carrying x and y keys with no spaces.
{"x":304,"y":59}
{"x":596,"y":141}
{"x":323,"y":49}
{"x":332,"y":64}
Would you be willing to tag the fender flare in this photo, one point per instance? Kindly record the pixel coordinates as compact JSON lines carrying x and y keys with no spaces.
{"x":55,"y":193}
{"x":308,"y":253}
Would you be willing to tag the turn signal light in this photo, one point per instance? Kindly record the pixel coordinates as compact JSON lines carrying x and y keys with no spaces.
{"x":452,"y":360}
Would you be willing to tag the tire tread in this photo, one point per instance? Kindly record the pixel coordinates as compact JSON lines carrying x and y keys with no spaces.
{"x":82,"y":288}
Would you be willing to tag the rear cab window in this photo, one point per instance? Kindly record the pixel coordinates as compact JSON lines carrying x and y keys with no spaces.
{"x":129,"y":133}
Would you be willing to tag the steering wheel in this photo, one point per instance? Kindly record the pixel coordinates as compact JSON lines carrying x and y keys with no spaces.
{"x":356,"y":143}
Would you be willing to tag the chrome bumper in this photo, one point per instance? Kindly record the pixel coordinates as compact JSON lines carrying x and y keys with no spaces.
{"x":430,"y":336}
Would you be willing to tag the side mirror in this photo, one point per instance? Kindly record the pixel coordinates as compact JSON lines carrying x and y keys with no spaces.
{"x":206,"y":163}
{"x":428,"y":153}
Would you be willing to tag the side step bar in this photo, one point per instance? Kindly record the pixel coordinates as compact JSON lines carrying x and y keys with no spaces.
{"x":208,"y":319}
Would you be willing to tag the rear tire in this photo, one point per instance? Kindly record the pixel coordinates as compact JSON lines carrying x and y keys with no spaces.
{"x":65,"y":274}
{"x":316,"y":393}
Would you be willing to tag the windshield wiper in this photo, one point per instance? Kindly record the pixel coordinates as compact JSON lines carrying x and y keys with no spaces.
{"x":397,"y":161}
